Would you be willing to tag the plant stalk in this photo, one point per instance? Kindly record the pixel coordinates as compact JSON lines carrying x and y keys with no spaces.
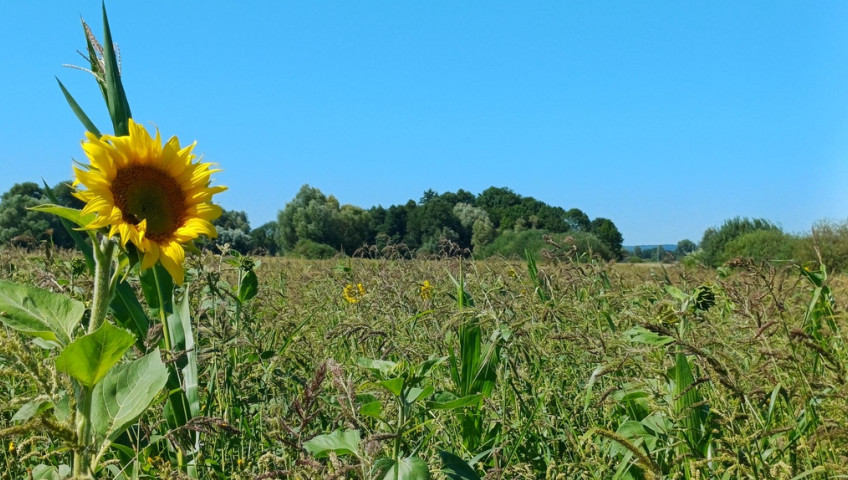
{"x":82,"y":456}
{"x":102,"y":291}
{"x":102,"y":296}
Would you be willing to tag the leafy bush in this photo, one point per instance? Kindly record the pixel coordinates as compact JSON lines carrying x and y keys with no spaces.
{"x":716,"y":239}
{"x":587,"y":245}
{"x":831,"y":240}
{"x":513,"y":244}
{"x":762,"y":245}
{"x":312,"y":250}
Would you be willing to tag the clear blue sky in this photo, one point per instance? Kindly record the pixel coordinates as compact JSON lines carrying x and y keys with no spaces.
{"x":666,"y":117}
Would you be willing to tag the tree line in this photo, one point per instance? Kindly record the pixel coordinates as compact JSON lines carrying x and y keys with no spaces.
{"x":314,"y":224}
{"x":498,"y":221}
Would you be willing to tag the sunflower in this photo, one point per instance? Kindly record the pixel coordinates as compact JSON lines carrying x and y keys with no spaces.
{"x":150,"y":194}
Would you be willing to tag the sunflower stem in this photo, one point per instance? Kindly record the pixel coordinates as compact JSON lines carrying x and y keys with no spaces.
{"x":102,"y":291}
{"x":163,"y":315}
{"x":82,"y":457}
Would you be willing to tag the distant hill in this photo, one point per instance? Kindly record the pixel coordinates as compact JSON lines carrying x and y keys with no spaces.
{"x":668,"y":247}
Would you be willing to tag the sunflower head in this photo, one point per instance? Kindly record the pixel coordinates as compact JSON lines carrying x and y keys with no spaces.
{"x":153,"y":195}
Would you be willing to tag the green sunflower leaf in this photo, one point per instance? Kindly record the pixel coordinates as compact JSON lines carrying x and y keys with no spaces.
{"x":340,"y":442}
{"x":125,"y":393}
{"x":39,"y":313}
{"x":249,"y":286}
{"x":410,"y":468}
{"x":89,"y":358}
{"x":71,"y":214}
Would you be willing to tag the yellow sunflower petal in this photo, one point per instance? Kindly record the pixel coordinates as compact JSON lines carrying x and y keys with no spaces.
{"x":172,"y":256}
{"x":151,"y":256}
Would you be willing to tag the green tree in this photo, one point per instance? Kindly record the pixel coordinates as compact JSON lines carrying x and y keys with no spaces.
{"x":482,"y":233}
{"x":309,"y":216}
{"x":461,"y":196}
{"x":232,"y":220}
{"x":393,"y":225}
{"x":497,"y":202}
{"x":431,"y":222}
{"x":716,"y":239}
{"x":265,"y":238}
{"x":469,"y":216}
{"x":552,"y":219}
{"x":233,"y":229}
{"x":353,"y":228}
{"x":17,"y":222}
{"x":320,"y":219}
{"x":577,"y":220}
{"x":684,"y":247}
{"x":608,"y":234}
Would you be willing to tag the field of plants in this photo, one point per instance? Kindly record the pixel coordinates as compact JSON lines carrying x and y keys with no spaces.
{"x":450,"y":368}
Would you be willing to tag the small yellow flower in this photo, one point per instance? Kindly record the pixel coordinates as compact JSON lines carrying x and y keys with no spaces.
{"x":12,"y":448}
{"x":240,"y":463}
{"x":353,"y":294}
{"x":426,"y":290}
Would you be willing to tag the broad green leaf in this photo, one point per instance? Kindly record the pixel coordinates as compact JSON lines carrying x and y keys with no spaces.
{"x":643,"y":335}
{"x":371,"y":409}
{"x":125,"y":393}
{"x":443,"y":403}
{"x":456,"y":468}
{"x":71,"y":214}
{"x":249,"y":286}
{"x":658,"y":423}
{"x":410,"y":468}
{"x":676,"y":293}
{"x":378,"y":367}
{"x":62,"y":408}
{"x":340,"y":442}
{"x":49,"y":472}
{"x":394,"y":385}
{"x":90,"y":357}
{"x":31,"y":409}
{"x":423,"y":369}
{"x":414,"y":394}
{"x":39,"y":313}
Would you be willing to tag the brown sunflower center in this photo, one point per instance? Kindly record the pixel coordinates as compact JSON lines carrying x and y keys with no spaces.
{"x":147,"y":193}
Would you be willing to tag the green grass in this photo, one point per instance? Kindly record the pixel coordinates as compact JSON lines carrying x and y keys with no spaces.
{"x":578,"y":371}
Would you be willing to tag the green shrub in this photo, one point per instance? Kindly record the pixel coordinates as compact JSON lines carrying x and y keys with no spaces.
{"x":513,"y":244}
{"x":831,"y":239}
{"x":312,"y":250}
{"x":767,"y":245}
{"x":716,"y":239}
